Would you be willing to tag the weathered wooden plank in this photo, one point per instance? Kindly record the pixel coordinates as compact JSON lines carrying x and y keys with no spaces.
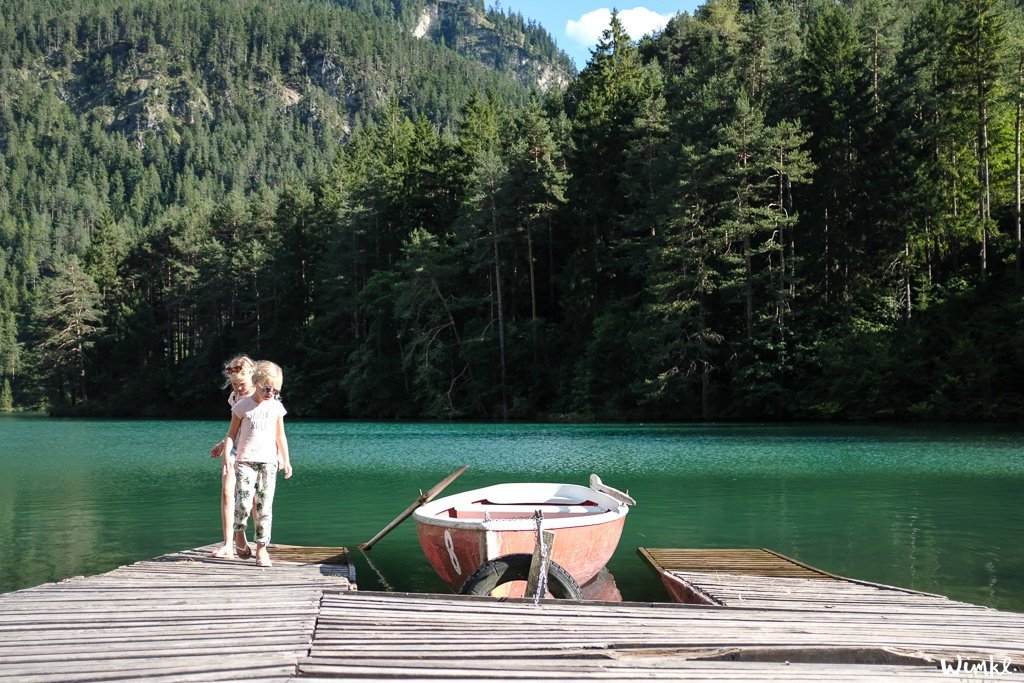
{"x":224,"y":668}
{"x":688,"y":674}
{"x":185,"y":616}
{"x":195,"y":648}
{"x":428,"y":611}
{"x":779,"y":636}
{"x":759,"y":576}
{"x":639,"y":626}
{"x":404,"y":636}
{"x":573,"y":671}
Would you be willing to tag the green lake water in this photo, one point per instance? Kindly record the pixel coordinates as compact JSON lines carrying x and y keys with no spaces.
{"x":931,"y":508}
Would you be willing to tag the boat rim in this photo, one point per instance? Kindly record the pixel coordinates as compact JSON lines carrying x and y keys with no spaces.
{"x":427,"y":513}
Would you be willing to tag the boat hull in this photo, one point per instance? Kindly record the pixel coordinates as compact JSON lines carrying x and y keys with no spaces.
{"x":456,"y":553}
{"x":456,"y":547}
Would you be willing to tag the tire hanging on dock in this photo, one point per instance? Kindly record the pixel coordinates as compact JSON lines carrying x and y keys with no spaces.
{"x":516,"y":567}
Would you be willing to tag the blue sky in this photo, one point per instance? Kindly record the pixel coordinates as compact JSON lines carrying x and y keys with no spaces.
{"x":576,"y":25}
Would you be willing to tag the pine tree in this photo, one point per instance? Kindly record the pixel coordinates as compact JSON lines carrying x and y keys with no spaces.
{"x":536,"y":192}
{"x":435,"y":353}
{"x":70,"y":323}
{"x":602,"y":297}
{"x":922,"y":192}
{"x":681,"y":344}
{"x":485,"y":216}
{"x":6,"y":397}
{"x":107,"y":249}
{"x":1015,"y":50}
{"x":10,"y":349}
{"x":832,"y":99}
{"x":977,"y":45}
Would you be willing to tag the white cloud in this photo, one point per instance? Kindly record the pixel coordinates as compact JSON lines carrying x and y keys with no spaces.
{"x":587,"y":29}
{"x":638,"y":22}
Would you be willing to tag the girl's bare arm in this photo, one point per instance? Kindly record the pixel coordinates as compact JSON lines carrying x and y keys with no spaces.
{"x":283,"y":460}
{"x":218,"y":448}
{"x":229,"y":441}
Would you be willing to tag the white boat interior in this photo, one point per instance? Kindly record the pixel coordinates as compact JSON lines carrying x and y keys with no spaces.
{"x":487,"y":510}
{"x":517,"y":501}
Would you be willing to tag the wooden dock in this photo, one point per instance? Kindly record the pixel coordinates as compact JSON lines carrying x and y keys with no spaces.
{"x":189,"y":617}
{"x":418,"y":637}
{"x":184,"y":616}
{"x":760,"y":577}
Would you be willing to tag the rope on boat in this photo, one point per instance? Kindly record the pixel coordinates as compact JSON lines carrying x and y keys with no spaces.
{"x":542,"y":578}
{"x":380,"y":577}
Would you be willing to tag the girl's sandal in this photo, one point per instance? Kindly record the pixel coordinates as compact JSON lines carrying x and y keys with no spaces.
{"x":244,"y":552}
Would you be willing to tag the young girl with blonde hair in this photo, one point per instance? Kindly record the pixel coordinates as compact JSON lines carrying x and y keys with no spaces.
{"x":257,"y":422}
{"x":238,"y":375}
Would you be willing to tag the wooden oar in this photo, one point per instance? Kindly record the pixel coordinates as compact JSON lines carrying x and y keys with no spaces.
{"x":424,"y":498}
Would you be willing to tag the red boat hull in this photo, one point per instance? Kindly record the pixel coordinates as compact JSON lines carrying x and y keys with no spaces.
{"x":455,"y":553}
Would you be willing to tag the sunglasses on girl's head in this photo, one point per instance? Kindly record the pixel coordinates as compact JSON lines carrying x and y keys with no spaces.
{"x":271,"y":390}
{"x":232,"y":368}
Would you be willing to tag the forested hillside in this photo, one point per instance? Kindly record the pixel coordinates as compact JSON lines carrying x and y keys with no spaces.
{"x":773,"y":210}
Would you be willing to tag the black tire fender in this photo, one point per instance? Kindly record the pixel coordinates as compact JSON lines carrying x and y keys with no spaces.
{"x":516,"y":567}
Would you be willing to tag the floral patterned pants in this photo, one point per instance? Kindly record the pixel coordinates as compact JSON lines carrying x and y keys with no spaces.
{"x":260,"y":478}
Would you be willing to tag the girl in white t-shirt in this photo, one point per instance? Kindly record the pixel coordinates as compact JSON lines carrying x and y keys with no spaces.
{"x":238,"y":375}
{"x":257,"y":422}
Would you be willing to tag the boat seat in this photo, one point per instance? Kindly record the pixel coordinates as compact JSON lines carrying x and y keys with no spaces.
{"x":516,"y":497}
{"x":521,"y":511}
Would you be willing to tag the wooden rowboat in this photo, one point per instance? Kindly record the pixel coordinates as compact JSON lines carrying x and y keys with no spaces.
{"x":461,"y":532}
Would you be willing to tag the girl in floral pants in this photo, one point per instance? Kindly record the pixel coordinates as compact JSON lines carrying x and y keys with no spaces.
{"x":257,"y":421}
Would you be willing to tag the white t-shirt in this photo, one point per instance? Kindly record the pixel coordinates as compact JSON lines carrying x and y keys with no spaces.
{"x":257,"y":437}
